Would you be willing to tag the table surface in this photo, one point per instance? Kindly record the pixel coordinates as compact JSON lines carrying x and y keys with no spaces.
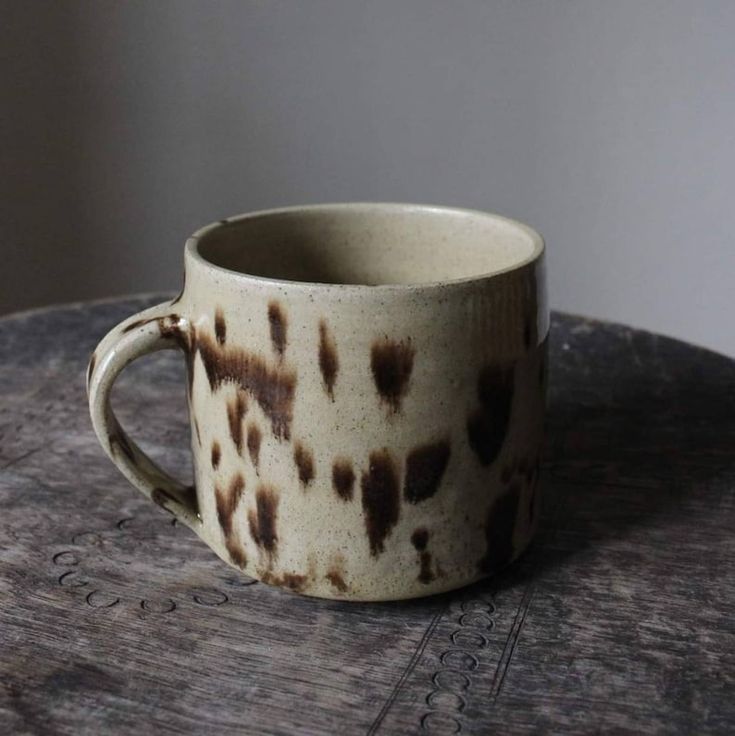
{"x":619,"y":619}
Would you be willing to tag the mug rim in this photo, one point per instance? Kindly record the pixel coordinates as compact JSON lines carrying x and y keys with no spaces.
{"x":191,"y":247}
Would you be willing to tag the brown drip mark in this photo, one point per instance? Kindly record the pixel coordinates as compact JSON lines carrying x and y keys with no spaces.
{"x":499,"y":527}
{"x":254,"y":440}
{"x":343,"y":478}
{"x":380,"y":498}
{"x":226,"y":501}
{"x":289,"y":580}
{"x":420,"y":540}
{"x":425,"y":466}
{"x":293,"y":581}
{"x":304,"y":459}
{"x":262,"y":519}
{"x":336,"y":573}
{"x":426,"y":576}
{"x":328,"y":359}
{"x":278,"y":325}
{"x":236,"y":408}
{"x":196,"y":430}
{"x":272,"y":387}
{"x":220,"y":326}
{"x":487,"y":426}
{"x":216,"y":455}
{"x":236,"y":551}
{"x":337,"y":581}
{"x":392,"y":363}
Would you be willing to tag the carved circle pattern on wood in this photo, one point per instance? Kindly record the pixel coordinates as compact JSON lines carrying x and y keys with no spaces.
{"x":110,"y":567}
{"x":453,"y":681}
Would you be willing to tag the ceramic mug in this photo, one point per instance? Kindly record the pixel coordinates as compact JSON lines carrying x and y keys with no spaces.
{"x":366,"y":390}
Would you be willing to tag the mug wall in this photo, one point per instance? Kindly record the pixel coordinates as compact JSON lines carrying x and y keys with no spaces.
{"x":389,"y":441}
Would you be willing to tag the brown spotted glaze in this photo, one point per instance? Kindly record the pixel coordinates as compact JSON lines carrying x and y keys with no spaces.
{"x":356,"y":442}
{"x":278,"y":327}
{"x":227,"y":499}
{"x":337,"y":581}
{"x":236,"y":407}
{"x":272,"y":386}
{"x":304,"y":459}
{"x":426,"y":575}
{"x":336,"y":573}
{"x":420,"y":538}
{"x":499,"y":528}
{"x":391,"y":362}
{"x":220,"y":326}
{"x":262,"y":519}
{"x":236,"y":551}
{"x":487,"y":426}
{"x":255,"y":437}
{"x":343,"y":478}
{"x":290,"y":580}
{"x":380,"y":498}
{"x":425,"y":466}
{"x":328,"y":359}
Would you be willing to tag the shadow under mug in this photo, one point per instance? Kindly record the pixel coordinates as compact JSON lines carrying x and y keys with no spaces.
{"x":366,"y":389}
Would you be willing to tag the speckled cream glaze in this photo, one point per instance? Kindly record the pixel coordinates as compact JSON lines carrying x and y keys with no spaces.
{"x":362,"y":442}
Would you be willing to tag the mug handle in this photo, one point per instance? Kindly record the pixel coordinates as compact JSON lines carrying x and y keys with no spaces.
{"x":157,"y":328}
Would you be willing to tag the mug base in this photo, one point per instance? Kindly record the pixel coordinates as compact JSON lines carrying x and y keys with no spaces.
{"x":299,"y":585}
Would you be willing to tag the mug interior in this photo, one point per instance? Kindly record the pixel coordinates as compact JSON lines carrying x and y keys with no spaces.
{"x":368,"y":244}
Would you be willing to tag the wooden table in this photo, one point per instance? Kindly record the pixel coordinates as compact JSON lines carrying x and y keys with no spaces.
{"x":620,"y":619}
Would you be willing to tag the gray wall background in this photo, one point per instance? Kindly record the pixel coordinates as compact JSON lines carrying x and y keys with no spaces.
{"x":609,"y":126}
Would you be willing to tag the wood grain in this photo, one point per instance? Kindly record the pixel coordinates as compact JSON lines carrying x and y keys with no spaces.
{"x":618,"y":620}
